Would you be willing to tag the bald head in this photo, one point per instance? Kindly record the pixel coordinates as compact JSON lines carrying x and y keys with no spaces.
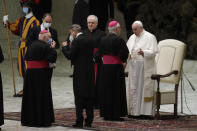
{"x":45,"y":36}
{"x":92,"y":21}
{"x":137,"y":27}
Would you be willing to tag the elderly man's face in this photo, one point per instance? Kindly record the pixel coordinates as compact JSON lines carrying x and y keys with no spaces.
{"x":137,"y":29}
{"x":46,"y":37}
{"x":92,"y":24}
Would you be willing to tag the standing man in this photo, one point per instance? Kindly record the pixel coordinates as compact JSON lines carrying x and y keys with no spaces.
{"x":37,"y":103}
{"x":80,"y":52}
{"x":103,"y":9}
{"x":94,"y":34}
{"x":46,"y":25}
{"x":80,"y":14}
{"x":112,"y":87}
{"x":21,"y":28}
{"x":142,"y":49}
{"x":1,"y":92}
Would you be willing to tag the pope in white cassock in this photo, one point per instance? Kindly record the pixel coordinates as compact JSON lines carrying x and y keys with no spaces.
{"x":142,"y":47}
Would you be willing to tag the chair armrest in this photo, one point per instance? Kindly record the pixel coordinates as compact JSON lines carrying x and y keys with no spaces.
{"x":158,"y":76}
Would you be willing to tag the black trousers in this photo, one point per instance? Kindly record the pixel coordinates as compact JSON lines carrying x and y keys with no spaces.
{"x":87,"y":104}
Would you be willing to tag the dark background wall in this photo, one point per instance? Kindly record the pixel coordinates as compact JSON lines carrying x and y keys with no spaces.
{"x":166,"y":19}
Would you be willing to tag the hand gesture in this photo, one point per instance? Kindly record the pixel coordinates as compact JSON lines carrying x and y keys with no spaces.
{"x":53,"y":44}
{"x":140,"y":52}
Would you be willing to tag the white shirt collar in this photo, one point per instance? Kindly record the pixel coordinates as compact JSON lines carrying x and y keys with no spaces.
{"x":42,"y":27}
{"x":79,"y":34}
{"x":29,"y":15}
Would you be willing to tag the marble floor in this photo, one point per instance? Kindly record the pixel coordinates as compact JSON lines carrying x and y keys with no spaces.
{"x":63,"y":93}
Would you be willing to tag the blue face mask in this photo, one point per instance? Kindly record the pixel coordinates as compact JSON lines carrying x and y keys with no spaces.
{"x":25,"y":10}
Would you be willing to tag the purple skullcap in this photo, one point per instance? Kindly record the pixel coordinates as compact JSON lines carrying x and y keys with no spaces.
{"x":44,"y":31}
{"x":112,"y":24}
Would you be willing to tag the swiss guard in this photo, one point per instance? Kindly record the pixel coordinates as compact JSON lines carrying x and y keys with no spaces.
{"x":21,"y":27}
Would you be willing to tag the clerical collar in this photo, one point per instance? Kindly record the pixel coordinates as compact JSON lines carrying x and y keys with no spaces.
{"x":29,"y":15}
{"x":92,"y":30}
{"x":78,"y":34}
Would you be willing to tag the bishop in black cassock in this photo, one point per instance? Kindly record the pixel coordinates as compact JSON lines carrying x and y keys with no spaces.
{"x":37,"y":104}
{"x":111,"y":85}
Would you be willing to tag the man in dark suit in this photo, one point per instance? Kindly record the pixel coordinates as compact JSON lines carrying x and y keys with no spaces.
{"x":46,"y":25}
{"x":81,"y":55}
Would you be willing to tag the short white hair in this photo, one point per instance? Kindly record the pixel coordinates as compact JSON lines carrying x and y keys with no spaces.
{"x":139,"y":23}
{"x":93,"y":17}
{"x":111,"y":29}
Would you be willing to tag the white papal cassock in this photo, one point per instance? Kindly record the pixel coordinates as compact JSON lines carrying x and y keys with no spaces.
{"x":141,"y":88}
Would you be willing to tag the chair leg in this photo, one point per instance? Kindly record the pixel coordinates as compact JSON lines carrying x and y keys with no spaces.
{"x":175,"y":110}
{"x":158,"y":106}
{"x":158,"y":100}
{"x":176,"y":98}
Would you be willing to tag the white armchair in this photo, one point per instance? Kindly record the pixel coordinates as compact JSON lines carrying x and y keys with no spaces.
{"x":169,"y":63}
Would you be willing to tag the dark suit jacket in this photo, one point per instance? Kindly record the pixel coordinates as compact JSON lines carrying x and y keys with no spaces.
{"x":34,"y":33}
{"x":81,"y":56}
{"x":80,"y":14}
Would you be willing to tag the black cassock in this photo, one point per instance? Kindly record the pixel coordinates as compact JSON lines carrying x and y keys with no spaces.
{"x":112,"y":88}
{"x":37,"y":104}
{"x":95,"y":37}
{"x":34,"y":33}
{"x":103,"y":9}
{"x":81,"y":55}
{"x":1,"y":92}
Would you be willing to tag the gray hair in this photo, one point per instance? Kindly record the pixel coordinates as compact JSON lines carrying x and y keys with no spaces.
{"x":111,"y":29}
{"x":93,"y":17}
{"x":76,"y":27}
{"x":139,"y":23}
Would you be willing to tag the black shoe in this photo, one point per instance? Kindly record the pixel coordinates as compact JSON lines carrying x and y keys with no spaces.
{"x":147,"y":117}
{"x":134,"y":117}
{"x":88,"y":125}
{"x":117,"y":119}
{"x":78,"y":125}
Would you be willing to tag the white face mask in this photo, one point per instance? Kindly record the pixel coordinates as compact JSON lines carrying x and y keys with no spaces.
{"x":46,"y":25}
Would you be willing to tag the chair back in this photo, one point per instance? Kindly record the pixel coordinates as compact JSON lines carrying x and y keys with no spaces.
{"x":170,"y":57}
